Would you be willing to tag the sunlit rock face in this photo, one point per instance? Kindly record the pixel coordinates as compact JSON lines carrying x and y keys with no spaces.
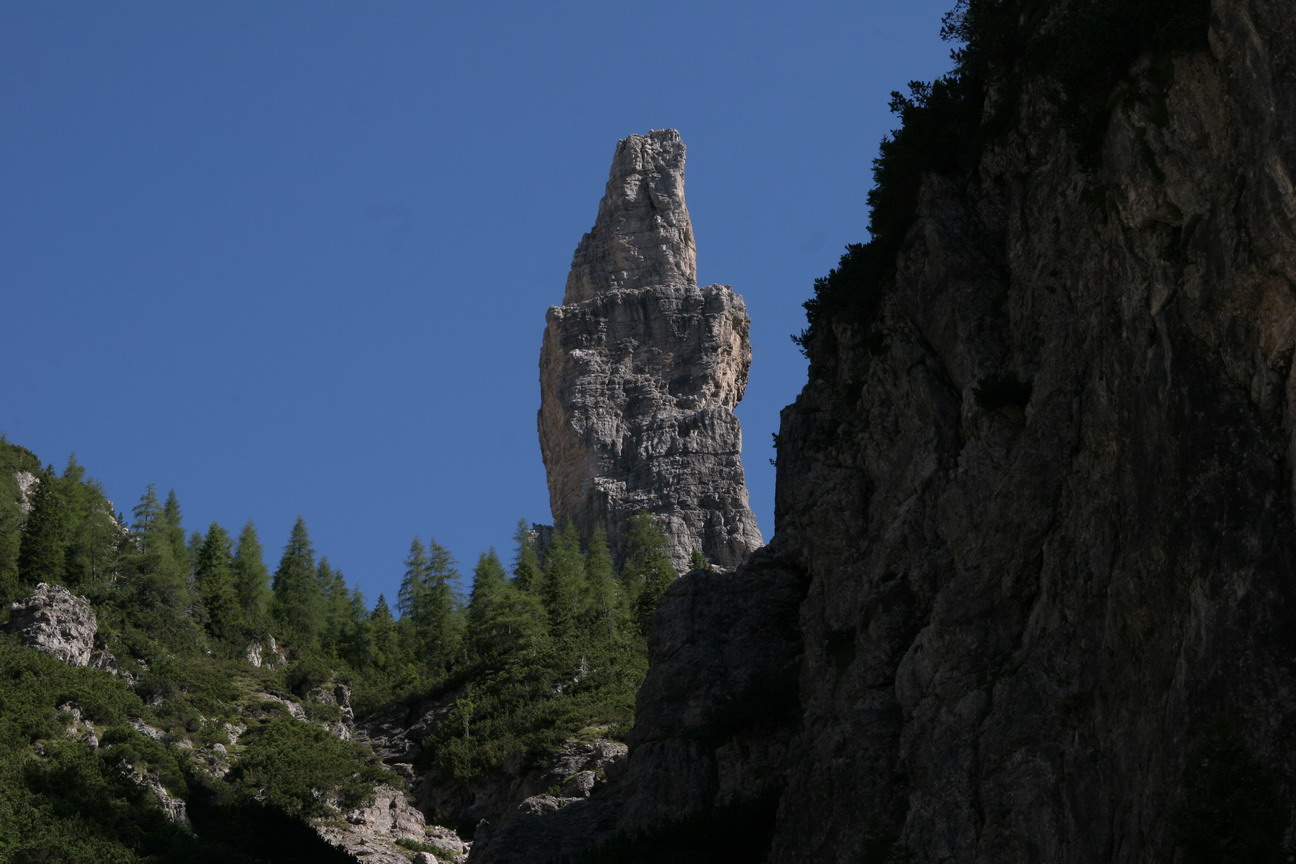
{"x":641,"y":369}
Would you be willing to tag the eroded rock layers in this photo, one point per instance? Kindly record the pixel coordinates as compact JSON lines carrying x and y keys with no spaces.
{"x":641,"y":369}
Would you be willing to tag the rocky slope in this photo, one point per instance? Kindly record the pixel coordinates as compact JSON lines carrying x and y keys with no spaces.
{"x":1031,"y":590}
{"x":641,"y":369}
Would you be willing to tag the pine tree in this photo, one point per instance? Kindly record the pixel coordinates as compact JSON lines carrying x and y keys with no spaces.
{"x":214,"y":579}
{"x":647,"y":570}
{"x":526,"y":561}
{"x":43,"y":548}
{"x":298,"y":600}
{"x":252,"y":578}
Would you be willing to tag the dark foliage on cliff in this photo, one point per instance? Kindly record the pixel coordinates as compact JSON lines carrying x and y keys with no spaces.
{"x":1083,"y":48}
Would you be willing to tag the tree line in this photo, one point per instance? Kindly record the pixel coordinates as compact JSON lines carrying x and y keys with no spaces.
{"x":545,"y":644}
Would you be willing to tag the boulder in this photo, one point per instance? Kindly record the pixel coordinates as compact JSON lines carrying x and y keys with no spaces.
{"x":57,"y":622}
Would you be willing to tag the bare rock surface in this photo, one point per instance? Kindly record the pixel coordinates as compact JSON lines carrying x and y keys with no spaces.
{"x":1035,"y":523}
{"x":56,"y":621}
{"x":266,"y":653}
{"x":640,"y":371}
{"x":173,"y":806}
{"x":371,"y":833}
{"x":27,"y":483}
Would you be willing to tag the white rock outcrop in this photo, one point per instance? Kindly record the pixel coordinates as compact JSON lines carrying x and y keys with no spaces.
{"x":56,"y":621}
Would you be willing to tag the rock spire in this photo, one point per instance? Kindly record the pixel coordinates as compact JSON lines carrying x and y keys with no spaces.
{"x":641,"y":369}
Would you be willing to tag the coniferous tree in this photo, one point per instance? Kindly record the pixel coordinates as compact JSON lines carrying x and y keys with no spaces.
{"x":342,"y":620}
{"x":93,"y":533}
{"x":298,"y":600}
{"x":519,"y":627}
{"x":192,"y":546}
{"x":355,"y":643}
{"x":416,"y":578}
{"x":156,"y":575}
{"x":13,"y":461}
{"x":698,"y":561}
{"x":175,"y":532}
{"x":74,"y":493}
{"x":42,"y":552}
{"x":647,"y":569}
{"x":602,"y":605}
{"x":489,"y":582}
{"x":214,"y":579}
{"x":562,"y":586}
{"x":448,"y":602}
{"x":252,"y":578}
{"x":11,"y":522}
{"x":427,"y":601}
{"x":387,"y":649}
{"x":526,"y":561}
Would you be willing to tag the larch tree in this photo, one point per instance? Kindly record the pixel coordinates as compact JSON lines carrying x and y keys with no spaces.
{"x":93,"y":534}
{"x":427,"y":600}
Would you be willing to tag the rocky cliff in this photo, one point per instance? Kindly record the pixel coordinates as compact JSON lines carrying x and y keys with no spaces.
{"x":641,"y":369}
{"x":1032,"y":591}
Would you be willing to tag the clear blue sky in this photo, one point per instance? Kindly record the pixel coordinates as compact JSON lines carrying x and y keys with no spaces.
{"x":294,"y":257}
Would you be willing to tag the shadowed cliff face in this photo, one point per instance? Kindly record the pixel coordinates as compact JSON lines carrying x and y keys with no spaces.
{"x":641,"y":369}
{"x":1034,"y":516}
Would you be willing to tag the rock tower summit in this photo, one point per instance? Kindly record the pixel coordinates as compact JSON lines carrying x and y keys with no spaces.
{"x":641,"y":369}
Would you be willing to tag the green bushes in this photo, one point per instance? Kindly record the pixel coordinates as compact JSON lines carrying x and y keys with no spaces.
{"x":299,"y":767}
{"x":32,"y":685}
{"x":123,"y":744}
{"x":530,"y":709}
